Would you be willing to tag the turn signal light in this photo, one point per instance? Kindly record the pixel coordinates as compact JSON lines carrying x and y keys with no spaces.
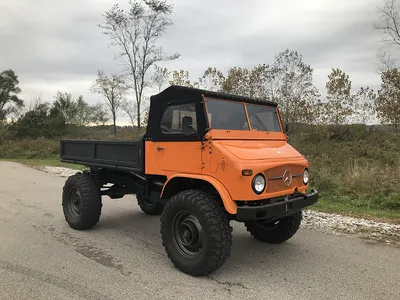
{"x":247,"y":172}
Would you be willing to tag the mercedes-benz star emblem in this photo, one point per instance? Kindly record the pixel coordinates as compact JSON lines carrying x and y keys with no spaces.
{"x":287,"y":178}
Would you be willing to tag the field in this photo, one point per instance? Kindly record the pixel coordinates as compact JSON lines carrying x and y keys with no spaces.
{"x":356,"y":168}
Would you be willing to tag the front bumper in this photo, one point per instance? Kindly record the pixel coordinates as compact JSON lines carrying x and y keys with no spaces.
{"x":276,"y":210}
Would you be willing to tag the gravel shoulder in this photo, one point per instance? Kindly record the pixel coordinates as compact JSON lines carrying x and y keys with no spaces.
{"x":333,"y":223}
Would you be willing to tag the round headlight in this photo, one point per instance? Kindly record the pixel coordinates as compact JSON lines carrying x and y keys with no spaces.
{"x":258,"y":184}
{"x":305,"y":176}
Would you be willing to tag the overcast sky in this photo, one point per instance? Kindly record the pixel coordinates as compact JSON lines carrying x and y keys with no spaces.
{"x":55,"y":45}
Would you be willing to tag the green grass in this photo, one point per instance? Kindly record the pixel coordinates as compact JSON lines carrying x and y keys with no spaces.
{"x":45,"y":162}
{"x":355,"y":168}
{"x":324,"y":204}
{"x":329,"y":206}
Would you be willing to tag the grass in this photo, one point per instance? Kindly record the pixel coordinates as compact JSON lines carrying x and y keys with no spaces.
{"x":383,"y":215}
{"x":45,"y":162}
{"x":324,"y":204}
{"x":355,"y":168}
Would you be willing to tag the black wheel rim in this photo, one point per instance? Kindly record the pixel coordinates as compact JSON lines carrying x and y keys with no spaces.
{"x":74,"y":203}
{"x":187,"y":235}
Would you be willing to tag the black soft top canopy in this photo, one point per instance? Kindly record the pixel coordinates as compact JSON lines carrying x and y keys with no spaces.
{"x":182,"y":92}
{"x":179,"y":95}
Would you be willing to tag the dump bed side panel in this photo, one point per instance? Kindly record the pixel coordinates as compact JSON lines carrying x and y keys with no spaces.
{"x":126,"y":155}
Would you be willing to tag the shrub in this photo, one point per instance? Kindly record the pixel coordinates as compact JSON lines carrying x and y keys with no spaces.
{"x":30,"y":148}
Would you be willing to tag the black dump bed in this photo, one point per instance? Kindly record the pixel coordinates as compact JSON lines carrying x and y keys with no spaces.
{"x":122,"y":155}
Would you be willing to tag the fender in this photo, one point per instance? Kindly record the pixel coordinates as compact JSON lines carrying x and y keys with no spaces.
{"x":229,"y":204}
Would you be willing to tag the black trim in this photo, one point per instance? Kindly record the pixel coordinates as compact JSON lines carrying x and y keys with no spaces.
{"x":252,"y":184}
{"x":276,"y":210}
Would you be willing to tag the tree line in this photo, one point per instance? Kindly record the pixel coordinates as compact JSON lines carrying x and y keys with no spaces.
{"x":41,"y":118}
{"x":289,"y":82}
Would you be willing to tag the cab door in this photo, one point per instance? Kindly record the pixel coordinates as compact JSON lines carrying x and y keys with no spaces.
{"x":175,"y":152}
{"x":179,"y":157}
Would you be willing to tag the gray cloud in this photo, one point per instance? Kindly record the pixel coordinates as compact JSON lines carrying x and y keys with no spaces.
{"x":56,"y":45}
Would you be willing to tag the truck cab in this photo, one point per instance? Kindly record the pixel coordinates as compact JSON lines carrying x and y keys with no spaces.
{"x":203,"y":153}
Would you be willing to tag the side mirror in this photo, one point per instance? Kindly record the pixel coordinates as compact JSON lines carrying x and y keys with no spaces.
{"x":187,"y":127}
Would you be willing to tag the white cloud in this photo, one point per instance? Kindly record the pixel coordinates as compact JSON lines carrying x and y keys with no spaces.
{"x":56,"y":45}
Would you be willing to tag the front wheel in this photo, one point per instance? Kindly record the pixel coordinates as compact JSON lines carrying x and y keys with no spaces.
{"x":196,"y":233}
{"x":274,"y":232}
{"x":81,"y":201}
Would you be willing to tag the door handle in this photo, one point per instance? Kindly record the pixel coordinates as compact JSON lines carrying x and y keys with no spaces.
{"x":159,"y":148}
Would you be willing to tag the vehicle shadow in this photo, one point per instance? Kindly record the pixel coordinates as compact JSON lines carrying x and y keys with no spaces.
{"x":247,"y":254}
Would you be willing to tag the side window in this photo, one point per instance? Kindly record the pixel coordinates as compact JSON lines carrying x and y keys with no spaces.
{"x":171,"y":121}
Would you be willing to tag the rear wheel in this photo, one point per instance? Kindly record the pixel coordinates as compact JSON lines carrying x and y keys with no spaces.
{"x":196,"y":233}
{"x":81,"y":201}
{"x":149,"y":208}
{"x":274,"y":232}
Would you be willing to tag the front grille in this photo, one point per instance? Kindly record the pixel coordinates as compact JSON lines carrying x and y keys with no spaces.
{"x":275,"y":180}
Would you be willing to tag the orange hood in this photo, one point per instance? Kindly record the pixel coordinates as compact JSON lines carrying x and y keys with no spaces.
{"x":260,"y":150}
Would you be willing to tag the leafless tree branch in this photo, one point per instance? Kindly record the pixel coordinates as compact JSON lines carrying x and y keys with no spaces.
{"x":136,"y":33}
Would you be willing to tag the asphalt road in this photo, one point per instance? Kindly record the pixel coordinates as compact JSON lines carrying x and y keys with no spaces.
{"x":122,"y":257}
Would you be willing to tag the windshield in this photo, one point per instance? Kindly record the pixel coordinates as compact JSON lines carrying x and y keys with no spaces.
{"x":226,"y":115}
{"x":263,"y":118}
{"x":232,"y":116}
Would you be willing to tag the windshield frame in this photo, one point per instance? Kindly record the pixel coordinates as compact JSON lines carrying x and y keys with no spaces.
{"x":247,"y":133}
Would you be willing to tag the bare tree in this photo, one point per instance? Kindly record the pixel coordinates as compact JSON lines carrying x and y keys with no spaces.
{"x":212,"y":80}
{"x":389,"y":22}
{"x":130,"y":110}
{"x":136,"y":33}
{"x":160,"y":77}
{"x":386,"y":61}
{"x":101,"y":114}
{"x":113,"y":88}
{"x":34,"y":103}
{"x":364,"y":102}
{"x":288,"y":81}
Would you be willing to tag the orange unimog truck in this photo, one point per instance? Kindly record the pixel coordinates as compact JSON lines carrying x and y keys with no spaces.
{"x":205,"y":160}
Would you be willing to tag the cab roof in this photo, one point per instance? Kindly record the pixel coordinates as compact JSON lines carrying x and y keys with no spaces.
{"x":176,"y":92}
{"x":179,"y":95}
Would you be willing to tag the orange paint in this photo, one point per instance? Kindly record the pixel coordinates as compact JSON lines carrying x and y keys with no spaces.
{"x":229,"y":204}
{"x":220,"y":162}
{"x":221,"y":158}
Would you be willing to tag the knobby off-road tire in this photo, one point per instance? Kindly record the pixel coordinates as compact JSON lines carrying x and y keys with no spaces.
{"x":276,"y":232}
{"x":81,"y":201}
{"x":196,"y":233}
{"x":148,"y":207}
